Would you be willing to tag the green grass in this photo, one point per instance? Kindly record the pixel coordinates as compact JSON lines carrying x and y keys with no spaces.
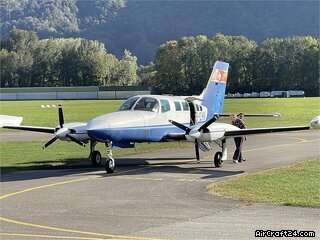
{"x":30,"y":155}
{"x":13,"y":156}
{"x":293,"y":185}
{"x":295,"y":111}
{"x":74,"y":111}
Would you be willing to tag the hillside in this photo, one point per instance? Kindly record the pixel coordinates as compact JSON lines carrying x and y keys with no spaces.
{"x":141,"y":26}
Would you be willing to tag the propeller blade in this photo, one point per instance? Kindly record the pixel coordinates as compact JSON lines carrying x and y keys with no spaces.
{"x":208,"y":123}
{"x":196,"y":144}
{"x":192,"y":113}
{"x":181,"y":126}
{"x":76,"y":141}
{"x":52,"y":140}
{"x":61,"y":119}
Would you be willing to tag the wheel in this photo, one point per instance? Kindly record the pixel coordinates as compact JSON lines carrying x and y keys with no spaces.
{"x":110,"y":166}
{"x":95,"y":158}
{"x":218,"y":159}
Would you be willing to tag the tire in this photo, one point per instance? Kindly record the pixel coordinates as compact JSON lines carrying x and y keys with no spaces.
{"x":110,"y":169}
{"x":218,"y":159}
{"x":95,"y":159}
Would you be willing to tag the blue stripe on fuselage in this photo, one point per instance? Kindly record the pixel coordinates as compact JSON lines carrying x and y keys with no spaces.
{"x":155,"y":133}
{"x":134,"y":134}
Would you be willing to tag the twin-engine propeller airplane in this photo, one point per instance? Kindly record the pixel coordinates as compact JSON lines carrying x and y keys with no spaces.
{"x":156,"y":118}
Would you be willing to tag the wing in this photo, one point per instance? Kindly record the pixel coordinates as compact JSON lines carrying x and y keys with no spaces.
{"x":253,"y":131}
{"x":32,"y":128}
{"x":13,"y":122}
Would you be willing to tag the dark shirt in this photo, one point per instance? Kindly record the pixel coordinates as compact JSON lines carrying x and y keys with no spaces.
{"x":239,"y":123}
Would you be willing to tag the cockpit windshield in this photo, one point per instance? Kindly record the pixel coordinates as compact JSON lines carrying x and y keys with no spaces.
{"x":147,"y":104}
{"x":128,"y":104}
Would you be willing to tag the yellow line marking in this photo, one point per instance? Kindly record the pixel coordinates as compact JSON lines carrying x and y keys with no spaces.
{"x":61,"y":229}
{"x":282,"y":145}
{"x":196,"y":171}
{"x":71,"y":231}
{"x":88,"y":178}
{"x":44,"y":186}
{"x":140,"y":178}
{"x":193,"y":180}
{"x":50,"y":236}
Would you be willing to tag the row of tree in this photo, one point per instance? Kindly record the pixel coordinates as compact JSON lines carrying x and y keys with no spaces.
{"x":183,"y":67}
{"x":180,"y":67}
{"x":27,"y":61}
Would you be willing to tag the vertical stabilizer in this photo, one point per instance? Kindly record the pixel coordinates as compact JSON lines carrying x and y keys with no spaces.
{"x":213,"y":95}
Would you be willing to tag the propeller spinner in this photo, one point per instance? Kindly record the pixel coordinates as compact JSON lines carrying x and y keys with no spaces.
{"x":62,"y":132}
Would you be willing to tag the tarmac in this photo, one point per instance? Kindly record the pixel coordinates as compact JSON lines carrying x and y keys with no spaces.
{"x":159,"y":195}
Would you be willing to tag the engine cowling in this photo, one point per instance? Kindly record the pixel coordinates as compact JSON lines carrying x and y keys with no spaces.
{"x":315,"y":123}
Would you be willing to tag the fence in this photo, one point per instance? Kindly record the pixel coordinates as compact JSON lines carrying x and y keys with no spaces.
{"x":69,"y":93}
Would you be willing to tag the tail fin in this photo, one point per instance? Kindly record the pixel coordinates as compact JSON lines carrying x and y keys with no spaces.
{"x":213,"y":95}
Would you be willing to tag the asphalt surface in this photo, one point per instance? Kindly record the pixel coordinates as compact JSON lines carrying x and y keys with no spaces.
{"x":161,"y":195}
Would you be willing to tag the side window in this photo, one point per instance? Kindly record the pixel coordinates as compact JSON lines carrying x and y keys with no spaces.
{"x":165,"y":106}
{"x":178,"y":106}
{"x":185,"y":106}
{"x":147,"y":104}
{"x":197,"y":107}
{"x":200,"y":108}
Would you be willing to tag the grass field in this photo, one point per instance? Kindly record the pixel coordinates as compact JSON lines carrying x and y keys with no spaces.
{"x":295,"y":111}
{"x":293,"y":185}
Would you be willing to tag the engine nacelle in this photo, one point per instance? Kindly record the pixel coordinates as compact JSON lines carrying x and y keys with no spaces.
{"x":315,"y":123}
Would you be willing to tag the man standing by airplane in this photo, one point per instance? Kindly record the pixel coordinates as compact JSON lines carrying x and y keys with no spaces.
{"x":235,"y":121}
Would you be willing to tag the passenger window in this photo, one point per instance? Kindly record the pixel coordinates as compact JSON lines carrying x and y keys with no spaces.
{"x":127,"y":105}
{"x":165,"y":106}
{"x":147,"y":104}
{"x":197,"y":107}
{"x":200,"y":108}
{"x":185,"y":106}
{"x":178,"y":106}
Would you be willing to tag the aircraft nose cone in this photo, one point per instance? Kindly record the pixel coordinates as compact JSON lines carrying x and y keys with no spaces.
{"x":96,"y":124}
{"x":97,"y":129}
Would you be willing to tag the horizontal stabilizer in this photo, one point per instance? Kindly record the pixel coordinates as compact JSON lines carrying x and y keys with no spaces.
{"x":10,"y":120}
{"x":275,"y":115}
{"x":245,"y":132}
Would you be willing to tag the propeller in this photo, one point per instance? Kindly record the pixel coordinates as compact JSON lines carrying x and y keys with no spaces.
{"x":52,"y":140}
{"x":62,"y":132}
{"x":194,"y":133}
{"x":192,"y":122}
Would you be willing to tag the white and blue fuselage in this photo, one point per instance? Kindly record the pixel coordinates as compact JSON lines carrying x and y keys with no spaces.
{"x":144,"y":119}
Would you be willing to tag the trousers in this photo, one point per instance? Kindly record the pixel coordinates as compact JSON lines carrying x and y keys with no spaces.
{"x":237,"y":153}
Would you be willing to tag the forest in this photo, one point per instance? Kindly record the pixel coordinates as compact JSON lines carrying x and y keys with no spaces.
{"x":142,"y":26}
{"x":180,"y":67}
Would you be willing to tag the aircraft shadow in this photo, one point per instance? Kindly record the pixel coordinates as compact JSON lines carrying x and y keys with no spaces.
{"x":139,"y":165}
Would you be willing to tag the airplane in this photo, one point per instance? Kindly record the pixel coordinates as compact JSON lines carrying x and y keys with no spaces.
{"x":159,"y":118}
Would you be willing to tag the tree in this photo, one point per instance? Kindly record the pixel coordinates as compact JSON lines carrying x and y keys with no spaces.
{"x":127,"y":74}
{"x":8,"y":69}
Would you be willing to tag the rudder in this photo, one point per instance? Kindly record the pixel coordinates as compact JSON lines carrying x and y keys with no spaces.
{"x":213,"y":95}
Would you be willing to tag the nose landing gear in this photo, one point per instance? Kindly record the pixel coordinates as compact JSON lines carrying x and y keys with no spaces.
{"x":110,"y":163}
{"x":96,"y":159}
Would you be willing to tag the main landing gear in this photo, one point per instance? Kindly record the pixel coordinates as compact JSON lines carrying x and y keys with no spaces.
{"x":219,"y":157}
{"x":96,"y":159}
